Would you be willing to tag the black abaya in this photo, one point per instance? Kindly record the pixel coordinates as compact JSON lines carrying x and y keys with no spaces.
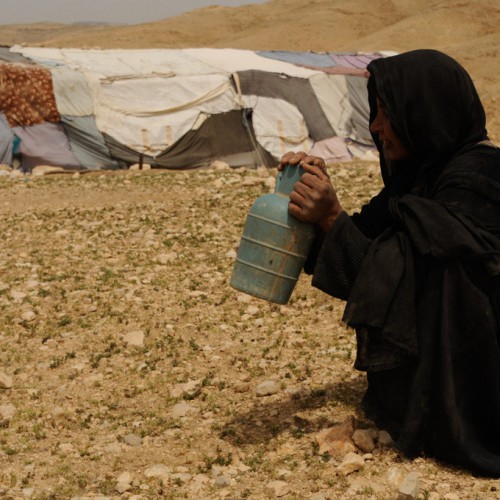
{"x":419,"y":267}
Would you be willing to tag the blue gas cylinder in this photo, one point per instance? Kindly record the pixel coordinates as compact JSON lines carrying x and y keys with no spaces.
{"x":274,"y":244}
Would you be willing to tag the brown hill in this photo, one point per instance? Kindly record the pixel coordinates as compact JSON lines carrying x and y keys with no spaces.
{"x":468,"y":30}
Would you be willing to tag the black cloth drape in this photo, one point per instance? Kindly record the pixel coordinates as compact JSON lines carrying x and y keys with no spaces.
{"x":419,"y":267}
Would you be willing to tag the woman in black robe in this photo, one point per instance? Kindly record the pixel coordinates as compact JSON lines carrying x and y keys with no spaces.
{"x":419,"y":265}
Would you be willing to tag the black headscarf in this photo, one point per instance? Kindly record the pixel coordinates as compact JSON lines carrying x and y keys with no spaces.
{"x":433,"y":107}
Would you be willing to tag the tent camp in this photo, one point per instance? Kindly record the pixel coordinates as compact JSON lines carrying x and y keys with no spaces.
{"x":179,"y":108}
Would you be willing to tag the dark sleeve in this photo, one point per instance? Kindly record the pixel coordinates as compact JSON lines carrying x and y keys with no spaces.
{"x":374,"y":217}
{"x":372,"y":220}
{"x":339,"y":257}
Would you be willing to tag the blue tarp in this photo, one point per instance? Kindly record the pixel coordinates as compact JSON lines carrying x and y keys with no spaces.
{"x":322,"y":60}
{"x":300,"y":58}
{"x":6,"y":141}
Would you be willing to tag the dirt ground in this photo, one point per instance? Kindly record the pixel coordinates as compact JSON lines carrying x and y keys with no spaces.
{"x":127,"y":349}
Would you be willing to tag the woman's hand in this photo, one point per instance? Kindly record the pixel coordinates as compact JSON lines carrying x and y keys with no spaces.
{"x":313,"y":199}
{"x":291,"y":158}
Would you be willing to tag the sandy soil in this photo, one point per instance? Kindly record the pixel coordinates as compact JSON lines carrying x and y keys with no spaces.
{"x":88,"y":260}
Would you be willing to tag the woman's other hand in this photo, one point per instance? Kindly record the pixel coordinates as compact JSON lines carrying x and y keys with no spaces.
{"x":313,"y":199}
{"x":291,"y":158}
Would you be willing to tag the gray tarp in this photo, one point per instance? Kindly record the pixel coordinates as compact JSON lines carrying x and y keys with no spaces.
{"x":45,"y":144}
{"x":87,"y":143}
{"x":223,"y":136}
{"x":297,"y":91}
{"x":13,"y":57}
{"x":360,"y":117}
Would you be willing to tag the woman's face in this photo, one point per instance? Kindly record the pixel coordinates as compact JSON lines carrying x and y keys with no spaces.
{"x":391,"y":144}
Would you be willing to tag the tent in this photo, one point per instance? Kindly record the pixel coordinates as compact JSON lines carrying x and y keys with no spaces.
{"x":180,"y":108}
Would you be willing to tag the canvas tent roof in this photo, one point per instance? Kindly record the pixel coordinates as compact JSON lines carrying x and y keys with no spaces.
{"x":117,"y":106}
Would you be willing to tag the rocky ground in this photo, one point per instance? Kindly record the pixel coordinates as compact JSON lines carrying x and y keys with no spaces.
{"x":129,"y":368}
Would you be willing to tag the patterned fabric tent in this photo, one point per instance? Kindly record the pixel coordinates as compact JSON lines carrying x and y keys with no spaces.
{"x":180,"y":108}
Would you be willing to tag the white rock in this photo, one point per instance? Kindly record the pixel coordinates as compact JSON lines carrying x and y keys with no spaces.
{"x":216,"y":471}
{"x":277,"y":488}
{"x":5,"y":381}
{"x":134,"y":339}
{"x":66,"y":447}
{"x":28,"y":316}
{"x":395,"y":477}
{"x":132,"y":440}
{"x":352,"y":462}
{"x":252,"y":310}
{"x":243,"y":297}
{"x":158,"y":470}
{"x":46,"y":169}
{"x":220,"y":165}
{"x":125,"y":477}
{"x":409,"y":488}
{"x":122,"y":487}
{"x":137,"y":167}
{"x":222,"y":481}
{"x":191,"y":389}
{"x":267,"y":388}
{"x":7,"y":412}
{"x":167,"y":258}
{"x":231,"y":254}
{"x":183,"y":409}
{"x":17,"y":296}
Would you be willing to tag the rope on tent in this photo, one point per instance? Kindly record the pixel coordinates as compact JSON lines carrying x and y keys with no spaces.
{"x":258,"y":158}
